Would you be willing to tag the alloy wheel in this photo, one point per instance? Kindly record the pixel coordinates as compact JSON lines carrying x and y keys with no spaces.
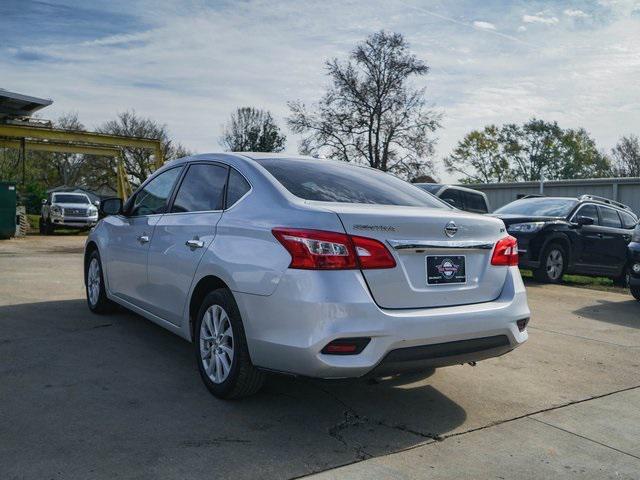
{"x":555,"y":264}
{"x":93,"y":281}
{"x":216,"y":344}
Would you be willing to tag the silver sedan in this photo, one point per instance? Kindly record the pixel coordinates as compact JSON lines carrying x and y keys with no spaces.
{"x":270,"y":263}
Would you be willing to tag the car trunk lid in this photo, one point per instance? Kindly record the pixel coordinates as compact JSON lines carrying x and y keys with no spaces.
{"x":413,"y":234}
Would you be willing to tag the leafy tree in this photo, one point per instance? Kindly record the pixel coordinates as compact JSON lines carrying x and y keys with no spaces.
{"x":528,"y":152}
{"x":139,"y":162}
{"x":252,"y":130}
{"x":626,"y":157}
{"x":370,"y":114}
{"x":480,"y":156}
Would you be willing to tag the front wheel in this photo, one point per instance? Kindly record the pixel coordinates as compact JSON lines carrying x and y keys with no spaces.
{"x":220,"y":347}
{"x":635,"y":291}
{"x":553,"y":263}
{"x":94,"y":286}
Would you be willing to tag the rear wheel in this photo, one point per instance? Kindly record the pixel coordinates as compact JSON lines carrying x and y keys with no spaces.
{"x":623,"y":280}
{"x":220,"y":346}
{"x":553,"y":263}
{"x":635,"y":291}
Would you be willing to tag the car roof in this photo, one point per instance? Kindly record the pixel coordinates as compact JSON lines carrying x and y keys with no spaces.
{"x":449,"y":185}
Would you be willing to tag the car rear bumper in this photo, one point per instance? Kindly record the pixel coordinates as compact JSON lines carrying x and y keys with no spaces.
{"x":287,"y":330}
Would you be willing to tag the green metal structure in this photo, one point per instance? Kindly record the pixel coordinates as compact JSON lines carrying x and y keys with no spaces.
{"x":7,"y":209}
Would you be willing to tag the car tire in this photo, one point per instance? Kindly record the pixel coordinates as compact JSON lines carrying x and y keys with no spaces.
{"x":221,"y":350}
{"x":41,"y":227}
{"x":623,"y":280}
{"x":553,"y":264}
{"x":48,"y":227}
{"x":635,"y":291}
{"x":94,"y":286}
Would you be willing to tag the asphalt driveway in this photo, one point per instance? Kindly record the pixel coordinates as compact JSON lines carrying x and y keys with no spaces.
{"x":85,"y":396}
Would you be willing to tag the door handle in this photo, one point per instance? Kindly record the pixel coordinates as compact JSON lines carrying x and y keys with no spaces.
{"x":600,"y":235}
{"x":195,"y":243}
{"x":143,"y":239}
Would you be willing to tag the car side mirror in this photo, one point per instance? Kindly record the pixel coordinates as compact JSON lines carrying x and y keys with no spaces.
{"x":111,"y":206}
{"x":44,"y":201}
{"x":582,"y":221}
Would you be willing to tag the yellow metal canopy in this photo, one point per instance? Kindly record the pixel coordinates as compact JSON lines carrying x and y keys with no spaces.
{"x":38,"y":138}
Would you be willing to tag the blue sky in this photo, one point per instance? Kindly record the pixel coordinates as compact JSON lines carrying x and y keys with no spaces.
{"x":189,"y":63}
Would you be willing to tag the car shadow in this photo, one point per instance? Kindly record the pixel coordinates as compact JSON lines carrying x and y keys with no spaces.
{"x":625,"y":313}
{"x":118,"y":394}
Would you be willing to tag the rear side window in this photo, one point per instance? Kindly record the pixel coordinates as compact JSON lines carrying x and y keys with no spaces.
{"x":202,"y":189}
{"x":326,"y":181}
{"x":237,"y":187}
{"x":475,"y":202}
{"x":628,"y":220}
{"x":609,"y":218}
{"x":453,"y":197}
{"x":589,"y":211}
{"x":152,"y":199}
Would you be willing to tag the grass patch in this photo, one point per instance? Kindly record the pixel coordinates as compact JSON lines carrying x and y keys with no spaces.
{"x":33,"y":221}
{"x":594,"y":283}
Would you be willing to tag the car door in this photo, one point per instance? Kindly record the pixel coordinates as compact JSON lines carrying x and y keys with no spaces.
{"x":614,"y":240}
{"x":589,"y":236}
{"x":182,"y":236}
{"x":129,"y":236}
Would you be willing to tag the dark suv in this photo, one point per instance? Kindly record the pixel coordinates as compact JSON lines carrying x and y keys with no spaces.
{"x":634,"y":263}
{"x":557,"y":235}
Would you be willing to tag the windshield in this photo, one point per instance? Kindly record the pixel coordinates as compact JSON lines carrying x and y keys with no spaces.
{"x":325,"y":181}
{"x":70,"y":198}
{"x":539,"y":207}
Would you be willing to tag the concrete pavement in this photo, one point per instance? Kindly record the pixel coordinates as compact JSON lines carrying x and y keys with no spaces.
{"x":85,"y":396}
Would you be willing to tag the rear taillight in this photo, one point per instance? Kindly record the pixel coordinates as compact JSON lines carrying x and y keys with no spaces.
{"x":321,"y":250}
{"x":505,"y":252}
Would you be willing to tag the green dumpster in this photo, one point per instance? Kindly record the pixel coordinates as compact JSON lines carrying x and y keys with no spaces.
{"x":7,"y":209}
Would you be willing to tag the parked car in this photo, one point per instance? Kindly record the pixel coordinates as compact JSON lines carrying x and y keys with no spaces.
{"x":67,"y":210}
{"x":634,"y":263}
{"x":460,"y":197}
{"x":557,"y":235}
{"x":308,"y":267}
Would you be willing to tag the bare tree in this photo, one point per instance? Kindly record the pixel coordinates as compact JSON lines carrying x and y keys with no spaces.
{"x":626,"y":157}
{"x":370,"y":114}
{"x":139,"y":162}
{"x":252,"y":130}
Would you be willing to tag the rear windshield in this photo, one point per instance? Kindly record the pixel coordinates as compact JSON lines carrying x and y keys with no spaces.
{"x":540,"y":207}
{"x":66,"y":198}
{"x":325,"y":181}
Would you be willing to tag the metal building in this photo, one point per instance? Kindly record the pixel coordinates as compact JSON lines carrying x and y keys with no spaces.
{"x":625,"y":190}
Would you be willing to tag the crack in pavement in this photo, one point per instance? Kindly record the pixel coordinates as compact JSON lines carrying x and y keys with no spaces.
{"x":583,"y":337}
{"x":585,"y":438}
{"x":352,"y":418}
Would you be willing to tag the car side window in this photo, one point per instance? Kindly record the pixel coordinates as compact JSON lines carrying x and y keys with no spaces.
{"x":202,"y":189}
{"x":610,"y":218}
{"x":628,"y":220}
{"x":453,"y":197}
{"x":152,"y":199}
{"x":236,"y":188}
{"x":589,"y":211}
{"x":475,"y":202}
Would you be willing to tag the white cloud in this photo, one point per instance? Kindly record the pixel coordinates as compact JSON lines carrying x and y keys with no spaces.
{"x":190,"y":67}
{"x":576,"y":13}
{"x":484,"y":25}
{"x":540,"y":19}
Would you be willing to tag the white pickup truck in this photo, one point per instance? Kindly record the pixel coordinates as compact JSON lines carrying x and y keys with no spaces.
{"x":67,"y":210}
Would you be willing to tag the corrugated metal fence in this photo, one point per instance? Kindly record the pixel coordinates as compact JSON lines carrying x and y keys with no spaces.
{"x":625,"y":190}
